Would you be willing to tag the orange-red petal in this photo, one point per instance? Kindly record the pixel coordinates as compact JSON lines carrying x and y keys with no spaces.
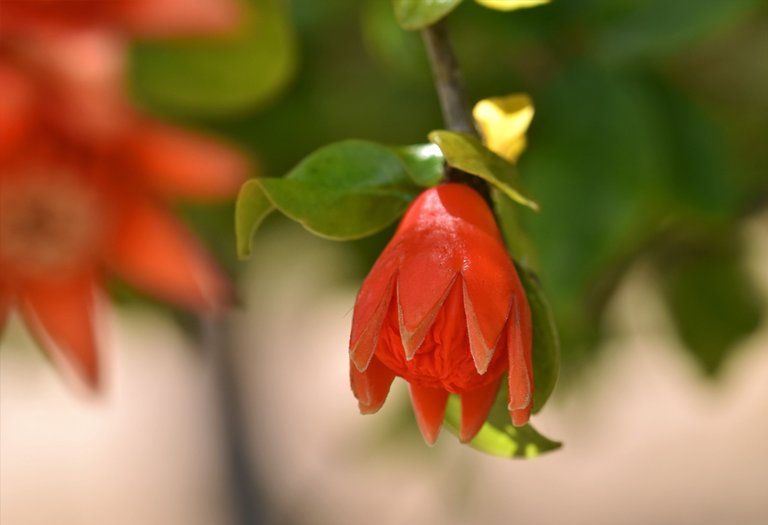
{"x":426,"y":276}
{"x":178,"y":17}
{"x":86,"y":69}
{"x":490,"y":282}
{"x":61,"y":316}
{"x":155,"y":252}
{"x":16,"y":109}
{"x":441,"y":206}
{"x":520,"y":417}
{"x":429,"y":408}
{"x":179,"y":163}
{"x":370,"y":311}
{"x":372,"y":386}
{"x":475,"y":406}
{"x":520,"y":364}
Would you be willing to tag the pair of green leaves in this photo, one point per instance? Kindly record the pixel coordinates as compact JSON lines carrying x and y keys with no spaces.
{"x":417,"y":14}
{"x":354,"y":188}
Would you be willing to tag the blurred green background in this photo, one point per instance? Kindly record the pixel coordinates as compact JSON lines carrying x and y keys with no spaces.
{"x":649,"y":139}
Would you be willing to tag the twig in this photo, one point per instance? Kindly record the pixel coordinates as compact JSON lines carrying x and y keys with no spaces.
{"x":450,"y":90}
{"x":447,"y":76}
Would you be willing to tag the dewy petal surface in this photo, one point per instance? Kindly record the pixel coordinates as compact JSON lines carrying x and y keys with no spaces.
{"x":429,"y":407}
{"x":372,"y":386}
{"x":61,"y":315}
{"x":153,"y":251}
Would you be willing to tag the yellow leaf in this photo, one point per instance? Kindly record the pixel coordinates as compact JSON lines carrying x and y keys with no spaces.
{"x":511,"y":5}
{"x":503,"y":122}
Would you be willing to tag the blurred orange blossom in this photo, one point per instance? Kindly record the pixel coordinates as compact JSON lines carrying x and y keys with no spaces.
{"x":85,"y":178}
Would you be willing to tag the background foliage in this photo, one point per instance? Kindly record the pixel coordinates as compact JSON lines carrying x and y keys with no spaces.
{"x":648,"y":142}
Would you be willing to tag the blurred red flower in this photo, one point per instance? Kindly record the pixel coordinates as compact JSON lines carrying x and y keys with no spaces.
{"x":84,"y":181}
{"x":444,"y":309}
{"x":136,"y":17}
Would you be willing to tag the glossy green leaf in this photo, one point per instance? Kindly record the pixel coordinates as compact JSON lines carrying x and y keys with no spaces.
{"x":499,"y":437}
{"x":219,"y":75}
{"x":251,"y":209}
{"x":510,"y":5}
{"x":467,"y":153}
{"x":711,"y":297}
{"x":418,"y":14}
{"x":546,"y":342}
{"x":424,"y":163}
{"x":346,"y":190}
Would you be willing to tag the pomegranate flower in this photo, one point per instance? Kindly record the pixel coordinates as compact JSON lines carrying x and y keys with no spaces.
{"x":443,"y":308}
{"x":73,"y":208}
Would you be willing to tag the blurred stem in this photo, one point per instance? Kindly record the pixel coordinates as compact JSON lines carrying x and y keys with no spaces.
{"x":450,"y":90}
{"x":216,"y":335}
{"x":447,"y":77}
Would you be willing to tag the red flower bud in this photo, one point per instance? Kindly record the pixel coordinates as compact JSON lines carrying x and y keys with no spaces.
{"x":443,"y":308}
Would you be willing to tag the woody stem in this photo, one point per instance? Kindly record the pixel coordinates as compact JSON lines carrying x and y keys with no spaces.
{"x":450,"y":90}
{"x":447,"y":77}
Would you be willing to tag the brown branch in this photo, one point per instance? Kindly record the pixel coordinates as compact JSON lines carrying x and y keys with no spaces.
{"x":447,"y":76}
{"x":450,"y":91}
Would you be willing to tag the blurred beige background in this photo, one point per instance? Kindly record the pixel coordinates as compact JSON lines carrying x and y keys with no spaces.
{"x":647,"y":438}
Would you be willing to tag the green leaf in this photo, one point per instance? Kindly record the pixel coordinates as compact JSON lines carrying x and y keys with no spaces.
{"x":219,"y":75}
{"x":519,"y":244}
{"x":418,"y":14}
{"x":546,"y":343}
{"x":711,"y":297}
{"x":599,"y":164}
{"x":251,"y":209}
{"x":424,"y":163}
{"x":702,"y":180}
{"x":499,"y":437}
{"x":346,"y":190}
{"x":467,"y":153}
{"x":510,"y":5}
